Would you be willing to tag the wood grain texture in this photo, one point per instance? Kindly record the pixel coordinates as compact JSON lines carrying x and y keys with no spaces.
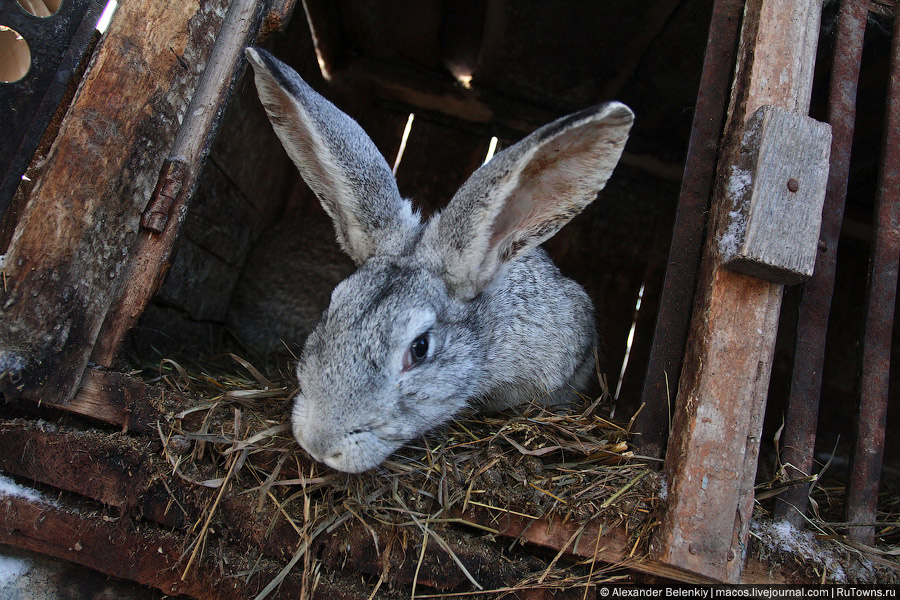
{"x":776,"y":193}
{"x":66,"y":261}
{"x":144,"y":553}
{"x":146,"y":270}
{"x":713,"y":452}
{"x":127,"y":472}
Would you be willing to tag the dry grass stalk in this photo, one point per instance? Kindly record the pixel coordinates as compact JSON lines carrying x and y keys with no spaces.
{"x":573,"y":465}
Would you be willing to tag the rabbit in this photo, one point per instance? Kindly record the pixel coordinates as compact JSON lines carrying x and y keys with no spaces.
{"x":294,"y":298}
{"x":464,"y":310}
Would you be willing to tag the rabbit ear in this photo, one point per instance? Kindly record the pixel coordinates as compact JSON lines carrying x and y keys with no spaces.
{"x":337,"y":159}
{"x":525,"y":194}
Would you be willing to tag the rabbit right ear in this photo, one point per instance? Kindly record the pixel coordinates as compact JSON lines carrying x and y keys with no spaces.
{"x":524,"y":195}
{"x":337,"y":159}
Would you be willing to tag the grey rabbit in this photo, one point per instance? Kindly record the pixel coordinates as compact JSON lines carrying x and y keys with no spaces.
{"x":464,"y":309}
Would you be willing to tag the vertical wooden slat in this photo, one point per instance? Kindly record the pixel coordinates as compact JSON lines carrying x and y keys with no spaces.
{"x":801,"y":417}
{"x":711,"y":461}
{"x":67,"y":258}
{"x":865,"y":472}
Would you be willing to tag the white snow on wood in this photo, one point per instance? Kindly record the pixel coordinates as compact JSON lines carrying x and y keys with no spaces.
{"x":8,"y":487}
{"x":781,"y":536}
{"x":738,"y":193}
{"x":11,"y":569}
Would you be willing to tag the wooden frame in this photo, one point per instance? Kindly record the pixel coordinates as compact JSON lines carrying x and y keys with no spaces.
{"x":79,"y":273}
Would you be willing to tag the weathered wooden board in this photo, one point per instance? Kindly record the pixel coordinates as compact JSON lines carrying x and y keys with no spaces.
{"x":712,"y":456}
{"x":127,"y":473}
{"x":776,"y":193}
{"x":67,"y":258}
{"x":140,"y":552}
{"x":153,"y":246}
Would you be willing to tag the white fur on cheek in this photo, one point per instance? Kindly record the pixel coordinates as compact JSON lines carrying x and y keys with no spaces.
{"x":299,"y":417}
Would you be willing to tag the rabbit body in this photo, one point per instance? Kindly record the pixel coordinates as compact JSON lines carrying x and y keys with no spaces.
{"x":464,"y":309}
{"x":274,"y":308}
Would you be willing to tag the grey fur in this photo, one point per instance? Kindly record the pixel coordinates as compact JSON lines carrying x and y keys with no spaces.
{"x":294,"y":297}
{"x":503,"y":326}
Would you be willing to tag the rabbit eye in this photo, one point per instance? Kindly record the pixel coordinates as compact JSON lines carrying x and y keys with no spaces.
{"x":416,"y":352}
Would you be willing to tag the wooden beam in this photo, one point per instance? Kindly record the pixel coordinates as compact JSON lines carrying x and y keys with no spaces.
{"x":139,"y":552}
{"x":161,"y":222}
{"x":712,"y":456}
{"x":118,"y":399}
{"x":606,"y":544}
{"x":128,"y":473}
{"x":68,"y":256}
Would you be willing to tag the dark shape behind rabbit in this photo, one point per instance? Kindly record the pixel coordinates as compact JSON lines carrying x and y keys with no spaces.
{"x":463,"y":309}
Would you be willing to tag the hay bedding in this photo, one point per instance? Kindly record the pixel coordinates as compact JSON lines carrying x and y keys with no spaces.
{"x":574,"y":465}
{"x":820,"y":552}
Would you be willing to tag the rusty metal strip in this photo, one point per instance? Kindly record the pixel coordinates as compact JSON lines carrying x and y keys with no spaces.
{"x":690,"y":222}
{"x":865,"y":471}
{"x":798,"y":441}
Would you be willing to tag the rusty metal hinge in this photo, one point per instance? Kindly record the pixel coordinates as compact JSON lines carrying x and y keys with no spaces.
{"x":172,"y":176}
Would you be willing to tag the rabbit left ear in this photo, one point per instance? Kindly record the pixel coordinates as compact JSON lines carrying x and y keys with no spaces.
{"x":339,"y":162}
{"x":525,"y":194}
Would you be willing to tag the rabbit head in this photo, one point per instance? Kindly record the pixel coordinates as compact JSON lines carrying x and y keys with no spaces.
{"x":462,"y":309}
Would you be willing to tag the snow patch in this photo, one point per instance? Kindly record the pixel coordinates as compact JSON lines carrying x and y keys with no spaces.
{"x":781,"y":536}
{"x":8,"y":487}
{"x":11,"y":362}
{"x":738,"y":192}
{"x":11,"y":569}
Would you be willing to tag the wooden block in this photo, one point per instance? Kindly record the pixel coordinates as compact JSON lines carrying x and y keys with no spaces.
{"x":776,"y":193}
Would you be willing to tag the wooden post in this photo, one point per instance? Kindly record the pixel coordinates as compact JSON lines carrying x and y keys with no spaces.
{"x":67,"y":258}
{"x":711,"y":461}
{"x":161,"y":220}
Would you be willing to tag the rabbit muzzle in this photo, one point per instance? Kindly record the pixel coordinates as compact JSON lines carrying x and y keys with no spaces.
{"x":347,"y":449}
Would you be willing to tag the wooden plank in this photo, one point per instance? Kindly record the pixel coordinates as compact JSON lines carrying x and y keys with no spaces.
{"x":153,"y":246}
{"x":124,"y":472}
{"x":67,"y":258}
{"x":432,"y":92}
{"x":128,"y":473}
{"x":152,"y":557}
{"x":776,"y":193}
{"x":609,"y":545}
{"x":712,"y":456}
{"x":118,"y":399}
{"x":114,"y":470}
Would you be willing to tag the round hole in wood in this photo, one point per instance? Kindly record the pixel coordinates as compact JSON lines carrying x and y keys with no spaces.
{"x":40,"y":8}
{"x":15,"y":56}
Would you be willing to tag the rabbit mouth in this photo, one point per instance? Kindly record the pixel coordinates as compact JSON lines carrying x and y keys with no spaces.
{"x":355,"y":451}
{"x":358,"y":451}
{"x":352,"y":449}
